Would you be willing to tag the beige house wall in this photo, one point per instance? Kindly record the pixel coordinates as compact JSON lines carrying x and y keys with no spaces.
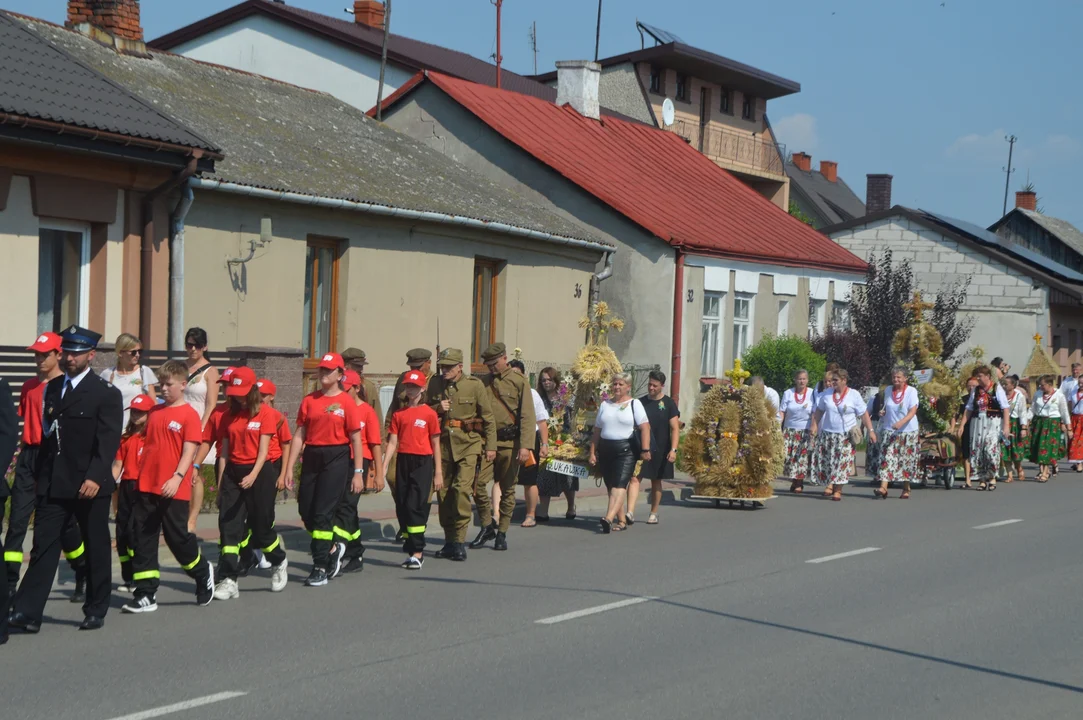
{"x":19,"y":265}
{"x":114,"y":264}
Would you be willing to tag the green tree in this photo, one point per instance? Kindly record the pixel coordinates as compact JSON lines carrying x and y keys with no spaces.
{"x":796,"y":212}
{"x":777,"y":358}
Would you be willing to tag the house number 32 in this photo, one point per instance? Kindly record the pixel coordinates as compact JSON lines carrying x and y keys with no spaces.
{"x":691,"y":295}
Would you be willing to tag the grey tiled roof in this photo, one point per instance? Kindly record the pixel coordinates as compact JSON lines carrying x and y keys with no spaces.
{"x":40,"y":81}
{"x":282,"y":137}
{"x":1060,"y":229}
{"x":835,"y":201}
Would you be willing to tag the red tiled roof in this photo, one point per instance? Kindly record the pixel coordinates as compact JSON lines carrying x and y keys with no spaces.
{"x":654,"y":178}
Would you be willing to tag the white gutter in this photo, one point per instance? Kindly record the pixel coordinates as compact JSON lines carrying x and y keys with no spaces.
{"x":176,"y":268}
{"x":387,"y":211}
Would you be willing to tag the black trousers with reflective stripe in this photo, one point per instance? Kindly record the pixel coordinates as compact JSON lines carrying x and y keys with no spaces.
{"x":347,"y":526}
{"x":155,"y":516}
{"x":241,"y":509}
{"x":127,"y":493}
{"x":413,"y":493}
{"x":4,"y":599}
{"x":23,"y":499}
{"x":323,"y":483}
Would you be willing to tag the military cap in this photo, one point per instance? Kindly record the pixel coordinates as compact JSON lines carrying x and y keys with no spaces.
{"x":450,"y":356}
{"x":494,"y":351}
{"x":418,"y":355}
{"x":79,"y":340}
{"x":353,"y":356}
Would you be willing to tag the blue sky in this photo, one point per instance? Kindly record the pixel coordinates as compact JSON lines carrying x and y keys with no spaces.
{"x":923,"y":89}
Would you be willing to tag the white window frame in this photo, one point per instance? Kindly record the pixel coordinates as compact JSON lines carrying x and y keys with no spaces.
{"x":816,"y":319}
{"x":746,"y":323}
{"x":783,"y":326}
{"x":719,"y":333}
{"x":84,"y":261}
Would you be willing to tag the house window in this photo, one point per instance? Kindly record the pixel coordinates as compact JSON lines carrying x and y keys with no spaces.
{"x":725,"y":103}
{"x":816,"y":317}
{"x":656,"y":80}
{"x":682,"y":87}
{"x":748,"y":108}
{"x":63,"y":277}
{"x":712,"y":334}
{"x":840,"y":315}
{"x":742,"y":317}
{"x":321,"y":299}
{"x":485,"y":287}
{"x":783,"y":317}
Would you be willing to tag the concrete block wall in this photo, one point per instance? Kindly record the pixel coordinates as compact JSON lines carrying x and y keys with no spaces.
{"x":282,"y":366}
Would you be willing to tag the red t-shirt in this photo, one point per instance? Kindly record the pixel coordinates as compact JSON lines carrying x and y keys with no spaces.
{"x":370,"y":429}
{"x":326,"y":419}
{"x":130,"y":453}
{"x":168,"y":428}
{"x":210,"y":433}
{"x":31,"y":399}
{"x":244,"y":432}
{"x":282,"y":437}
{"x":415,"y":426}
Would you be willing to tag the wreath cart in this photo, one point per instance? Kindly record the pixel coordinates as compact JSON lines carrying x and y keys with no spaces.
{"x":734,"y":449}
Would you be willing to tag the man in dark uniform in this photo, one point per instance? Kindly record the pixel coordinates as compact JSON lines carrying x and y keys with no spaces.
{"x":9,"y":438}
{"x":356,"y":360}
{"x":81,"y":425}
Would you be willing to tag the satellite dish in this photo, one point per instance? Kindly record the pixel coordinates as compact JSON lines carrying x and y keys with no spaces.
{"x":667,"y":112}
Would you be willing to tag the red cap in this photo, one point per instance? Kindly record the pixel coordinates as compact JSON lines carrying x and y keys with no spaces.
{"x":266,"y":387}
{"x":332,"y":361}
{"x":142,"y":402}
{"x":351,"y":379}
{"x":226,"y":376}
{"x":241,"y":381}
{"x":46,"y":342}
{"x":414,"y":378}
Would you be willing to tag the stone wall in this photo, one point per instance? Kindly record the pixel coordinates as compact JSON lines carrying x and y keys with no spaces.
{"x":282,"y":366}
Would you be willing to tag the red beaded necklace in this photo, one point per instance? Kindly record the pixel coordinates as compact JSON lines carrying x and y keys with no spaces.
{"x":897,"y":397}
{"x":799,"y":397}
{"x":839,"y":398}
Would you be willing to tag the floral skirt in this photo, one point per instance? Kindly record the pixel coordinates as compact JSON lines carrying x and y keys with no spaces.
{"x":873,"y":455}
{"x":797,"y":453}
{"x":1046,"y":443}
{"x":1075,"y":448}
{"x":833,"y":460}
{"x":1015,"y":453}
{"x":985,"y":447}
{"x":899,"y":457}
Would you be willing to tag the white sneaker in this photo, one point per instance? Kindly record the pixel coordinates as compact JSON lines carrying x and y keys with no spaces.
{"x":336,"y":561}
{"x":279,"y":578}
{"x":226,"y":590}
{"x":144,"y":604}
{"x":261,"y":561}
{"x":413,"y":563}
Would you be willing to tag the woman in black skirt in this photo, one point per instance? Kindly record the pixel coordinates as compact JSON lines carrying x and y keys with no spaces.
{"x":963,"y":446}
{"x":622,"y":435}
{"x":553,"y":484}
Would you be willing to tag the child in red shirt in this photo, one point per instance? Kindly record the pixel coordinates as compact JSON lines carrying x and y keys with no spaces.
{"x":327,"y":428}
{"x":415,"y":435}
{"x":173,"y":435}
{"x":247,"y":489}
{"x":126,"y":470}
{"x":282,"y":437}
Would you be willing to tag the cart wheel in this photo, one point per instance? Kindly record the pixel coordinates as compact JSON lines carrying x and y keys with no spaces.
{"x":731,"y":503}
{"x":756,"y":505}
{"x":718,"y":503}
{"x":949,"y":478}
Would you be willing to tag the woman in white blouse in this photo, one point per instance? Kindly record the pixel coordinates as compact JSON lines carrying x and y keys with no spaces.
{"x":1050,"y":424}
{"x":795,"y":412}
{"x":988,"y":406}
{"x":1013,"y":454}
{"x":618,"y":421}
{"x":837,"y":413}
{"x":899,"y":442}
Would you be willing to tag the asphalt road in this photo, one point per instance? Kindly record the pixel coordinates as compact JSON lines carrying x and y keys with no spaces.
{"x":941,"y":620}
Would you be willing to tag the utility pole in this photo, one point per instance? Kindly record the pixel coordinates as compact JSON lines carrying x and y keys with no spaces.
{"x":1008,"y":172}
{"x":383,"y":61}
{"x":534,"y":43}
{"x":499,"y":57}
{"x":598,"y":31}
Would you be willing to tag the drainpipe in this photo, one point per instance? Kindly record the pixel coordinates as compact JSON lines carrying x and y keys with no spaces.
{"x":678,"y":324}
{"x":146,"y":259}
{"x":176,"y":268}
{"x":597,"y":278}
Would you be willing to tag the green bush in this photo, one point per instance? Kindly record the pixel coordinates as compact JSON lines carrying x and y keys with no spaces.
{"x":776,"y":359}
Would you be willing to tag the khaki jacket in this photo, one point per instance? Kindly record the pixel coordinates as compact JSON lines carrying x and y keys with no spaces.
{"x":469,"y":400}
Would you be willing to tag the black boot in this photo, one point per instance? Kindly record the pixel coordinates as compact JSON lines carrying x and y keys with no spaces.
{"x":458,"y":552}
{"x":486,"y":534}
{"x":79,"y":596}
{"x":501,"y":542}
{"x":445,"y":552}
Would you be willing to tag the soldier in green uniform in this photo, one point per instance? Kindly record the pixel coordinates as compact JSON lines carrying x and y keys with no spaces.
{"x":356,"y":360}
{"x":515,"y":427}
{"x":469,"y":430}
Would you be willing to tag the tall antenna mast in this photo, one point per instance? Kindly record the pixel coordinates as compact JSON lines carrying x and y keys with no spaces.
{"x":598,"y":31}
{"x":1008,"y":172}
{"x":499,"y":57}
{"x":534,"y":43}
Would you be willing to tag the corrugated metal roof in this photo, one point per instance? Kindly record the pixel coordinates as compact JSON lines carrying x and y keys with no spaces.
{"x":41,"y":81}
{"x":654,"y":178}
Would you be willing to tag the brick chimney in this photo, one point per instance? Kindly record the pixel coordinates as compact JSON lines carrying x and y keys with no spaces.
{"x":111,"y":22}
{"x":801,"y":161}
{"x":369,"y":12}
{"x":877,"y":193}
{"x":830,"y":170}
{"x":1026,"y":200}
{"x":577,"y":85}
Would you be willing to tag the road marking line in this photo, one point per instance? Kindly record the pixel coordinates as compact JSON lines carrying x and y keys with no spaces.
{"x":840,"y":556}
{"x":996,"y":524}
{"x":177,"y":707}
{"x":593,"y":610}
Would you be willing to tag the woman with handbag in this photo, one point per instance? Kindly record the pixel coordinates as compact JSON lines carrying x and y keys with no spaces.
{"x":837,"y":417}
{"x":899,"y":429}
{"x":622,"y":435}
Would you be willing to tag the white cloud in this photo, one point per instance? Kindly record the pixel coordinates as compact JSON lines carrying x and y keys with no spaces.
{"x":992,"y":148}
{"x":798,"y":132}
{"x":975,"y":145}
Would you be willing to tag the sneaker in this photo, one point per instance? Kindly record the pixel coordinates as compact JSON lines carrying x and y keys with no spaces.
{"x":316,"y":578}
{"x":413,"y":563}
{"x":334,"y":567}
{"x":126,"y":588}
{"x":279,"y":578}
{"x":261,"y":561}
{"x":356,"y":564}
{"x":205,"y":590}
{"x":227,"y":590}
{"x":141,"y":604}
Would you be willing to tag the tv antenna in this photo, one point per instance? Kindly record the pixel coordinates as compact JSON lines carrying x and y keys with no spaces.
{"x":534,"y":43}
{"x":1011,"y":140}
